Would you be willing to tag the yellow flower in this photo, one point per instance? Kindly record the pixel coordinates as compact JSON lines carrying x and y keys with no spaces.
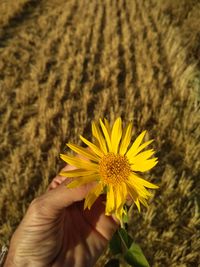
{"x":114,"y":164}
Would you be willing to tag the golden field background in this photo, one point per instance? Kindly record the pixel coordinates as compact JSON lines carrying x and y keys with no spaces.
{"x":65,"y":63}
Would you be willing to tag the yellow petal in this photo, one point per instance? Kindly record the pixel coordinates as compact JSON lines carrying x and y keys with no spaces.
{"x":110,"y":202}
{"x":118,"y":197}
{"x":140,"y":148}
{"x":119,"y":213}
{"x":145,"y":183}
{"x":95,"y":142}
{"x":140,"y":189}
{"x":106,"y":134}
{"x":134,"y":195}
{"x":143,"y":201}
{"x":107,"y":125}
{"x":126,"y":138}
{"x":121,"y":194}
{"x":144,"y":166}
{"x":137,"y":203}
{"x":97,"y":134}
{"x":79,"y":163}
{"x":83,"y":180}
{"x":133,"y":150}
{"x":93,"y":195}
{"x":76,"y":173}
{"x":120,"y":200}
{"x":84,"y":152}
{"x":141,"y":157}
{"x":116,"y":135}
{"x":94,"y":148}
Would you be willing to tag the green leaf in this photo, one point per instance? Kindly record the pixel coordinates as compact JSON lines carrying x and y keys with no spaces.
{"x":135,"y":257}
{"x":115,"y":244}
{"x":120,"y":242}
{"x":126,"y":238}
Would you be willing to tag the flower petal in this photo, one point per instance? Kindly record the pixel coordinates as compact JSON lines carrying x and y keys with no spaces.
{"x":110,"y":201}
{"x":126,"y":138}
{"x":144,"y":166}
{"x":97,"y":134}
{"x":121,"y":194}
{"x":141,"y":157}
{"x":83,"y":180}
{"x":120,"y":200}
{"x":76,"y":173}
{"x":138,"y":188}
{"x":84,"y":152}
{"x":134,"y":195}
{"x":119,"y":213}
{"x":140,"y":148}
{"x":133,"y":150}
{"x":79,"y":163}
{"x":106,"y":134}
{"x":116,"y":135}
{"x":145,"y":183}
{"x":143,"y":201}
{"x":94,"y":148}
{"x":93,"y":195}
{"x":118,"y":196}
{"x":107,"y":125}
{"x":137,"y":203}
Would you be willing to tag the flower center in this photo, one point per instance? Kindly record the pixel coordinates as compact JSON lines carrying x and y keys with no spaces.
{"x":114,"y":169}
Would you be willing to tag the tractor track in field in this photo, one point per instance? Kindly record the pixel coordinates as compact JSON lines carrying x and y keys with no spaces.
{"x":18,"y":18}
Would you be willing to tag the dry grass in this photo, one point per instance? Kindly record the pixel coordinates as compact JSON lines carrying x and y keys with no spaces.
{"x":64,"y":63}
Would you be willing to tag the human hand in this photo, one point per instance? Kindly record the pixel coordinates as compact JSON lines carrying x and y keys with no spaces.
{"x":56,"y":231}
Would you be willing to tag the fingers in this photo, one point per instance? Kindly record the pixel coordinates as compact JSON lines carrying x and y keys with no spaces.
{"x":59,"y":179}
{"x":105,"y":225}
{"x":62,"y":197}
{"x":56,"y":182}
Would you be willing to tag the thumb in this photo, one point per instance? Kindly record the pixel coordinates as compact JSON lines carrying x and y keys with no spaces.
{"x":62,"y":197}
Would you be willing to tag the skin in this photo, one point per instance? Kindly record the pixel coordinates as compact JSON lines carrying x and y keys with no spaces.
{"x":56,"y":231}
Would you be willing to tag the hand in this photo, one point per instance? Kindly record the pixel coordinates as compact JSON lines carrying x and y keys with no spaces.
{"x":56,"y":231}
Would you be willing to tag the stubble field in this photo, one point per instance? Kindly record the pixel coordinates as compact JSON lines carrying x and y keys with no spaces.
{"x":66,"y":63}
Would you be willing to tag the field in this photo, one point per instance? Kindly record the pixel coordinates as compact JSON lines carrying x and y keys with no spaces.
{"x":66,"y":63}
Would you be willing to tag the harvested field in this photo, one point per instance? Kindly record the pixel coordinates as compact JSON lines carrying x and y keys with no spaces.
{"x":66,"y":63}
